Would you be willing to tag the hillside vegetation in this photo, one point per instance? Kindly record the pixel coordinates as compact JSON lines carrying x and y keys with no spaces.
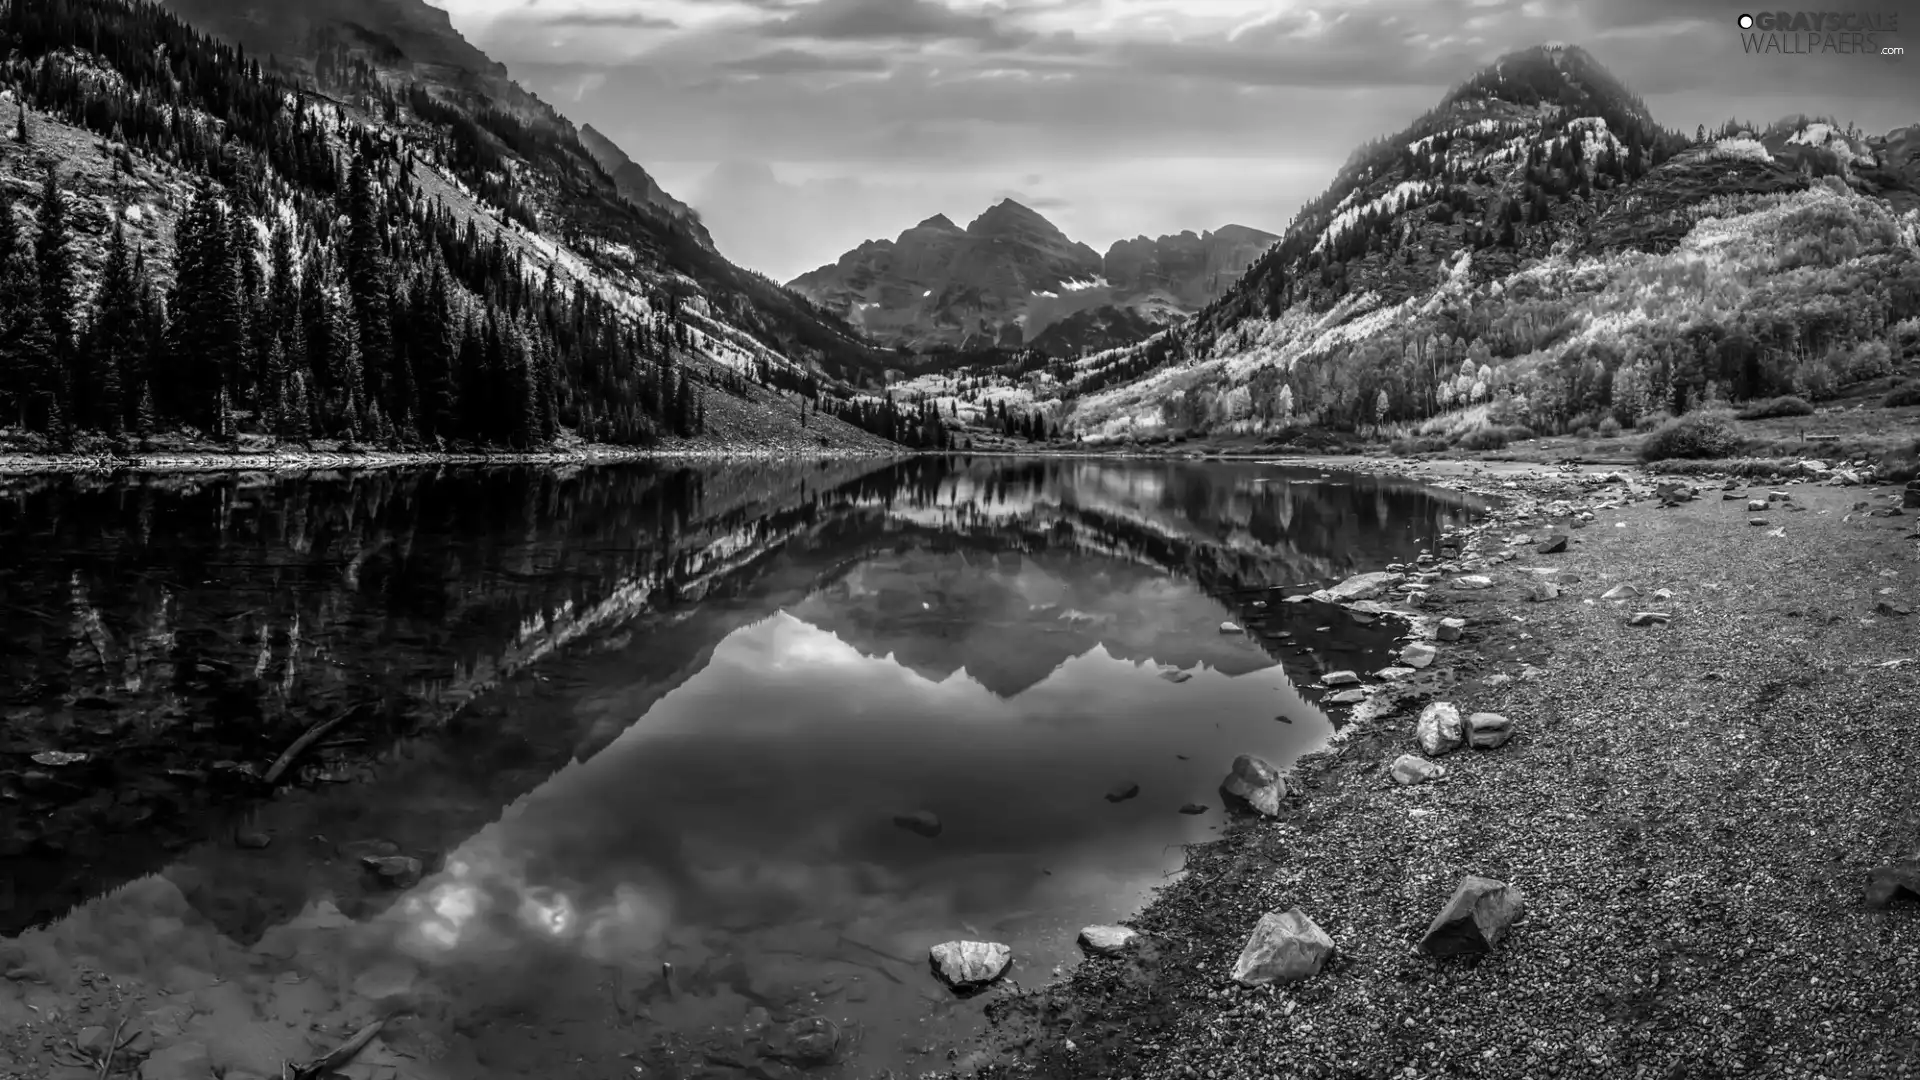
{"x":191,"y":243}
{"x":1534,"y":255}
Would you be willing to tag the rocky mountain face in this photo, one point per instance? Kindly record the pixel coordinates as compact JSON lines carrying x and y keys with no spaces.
{"x":638,"y":187}
{"x":1012,"y":279}
{"x":1487,"y":256}
{"x":350,"y":48}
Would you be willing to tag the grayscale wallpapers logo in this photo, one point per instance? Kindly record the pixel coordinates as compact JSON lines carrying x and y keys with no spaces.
{"x":1821,"y":33}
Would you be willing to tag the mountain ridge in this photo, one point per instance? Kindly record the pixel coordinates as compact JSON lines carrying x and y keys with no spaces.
{"x":1013,"y":279}
{"x":1533,"y":254}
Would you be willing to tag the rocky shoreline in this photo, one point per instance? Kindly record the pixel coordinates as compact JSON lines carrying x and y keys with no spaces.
{"x":1689,"y":776}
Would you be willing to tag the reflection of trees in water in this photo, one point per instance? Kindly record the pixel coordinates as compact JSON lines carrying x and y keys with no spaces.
{"x":175,"y":623}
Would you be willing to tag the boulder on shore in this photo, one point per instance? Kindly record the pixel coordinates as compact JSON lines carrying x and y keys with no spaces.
{"x":1475,"y":920}
{"x":1107,"y":940}
{"x":1285,"y":946}
{"x":1363,"y":587}
{"x":1411,"y":769}
{"x":1256,"y":783}
{"x":1488,"y":731}
{"x":1897,"y":880}
{"x":968,"y":965}
{"x":1450,"y":629}
{"x":1439,"y":729}
{"x":1473,"y":581}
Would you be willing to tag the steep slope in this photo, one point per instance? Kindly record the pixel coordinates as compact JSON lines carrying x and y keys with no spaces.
{"x":357,"y":48}
{"x":1501,"y":252}
{"x":1011,"y":279}
{"x":1191,"y":271}
{"x":637,"y":186}
{"x":387,"y":262}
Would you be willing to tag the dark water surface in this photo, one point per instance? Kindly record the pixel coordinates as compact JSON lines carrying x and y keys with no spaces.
{"x":630,"y":720}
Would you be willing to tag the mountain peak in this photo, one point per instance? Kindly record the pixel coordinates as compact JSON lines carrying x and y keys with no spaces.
{"x":1009,"y":216}
{"x":938,"y":221}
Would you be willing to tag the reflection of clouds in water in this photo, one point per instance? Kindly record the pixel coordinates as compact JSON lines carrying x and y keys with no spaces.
{"x":760,"y":793}
{"x":483,"y":902}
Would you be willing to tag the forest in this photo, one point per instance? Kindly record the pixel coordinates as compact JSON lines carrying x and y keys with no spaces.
{"x":313,"y":289}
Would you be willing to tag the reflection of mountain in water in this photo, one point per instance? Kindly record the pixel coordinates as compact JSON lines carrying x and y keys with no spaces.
{"x":181,"y":632}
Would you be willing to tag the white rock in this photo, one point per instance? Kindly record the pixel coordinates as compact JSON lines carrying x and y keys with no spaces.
{"x":1340,"y":678}
{"x":1285,"y":946}
{"x":1363,"y":587}
{"x":1473,"y":581}
{"x":1450,"y":629}
{"x":968,"y":964}
{"x":1409,"y":769}
{"x":1418,"y":655}
{"x":1256,"y":783}
{"x":1107,"y":940}
{"x":1620,"y":592}
{"x":1439,"y":729}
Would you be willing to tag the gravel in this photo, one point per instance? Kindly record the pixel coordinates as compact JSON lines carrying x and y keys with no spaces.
{"x":1691,"y":810}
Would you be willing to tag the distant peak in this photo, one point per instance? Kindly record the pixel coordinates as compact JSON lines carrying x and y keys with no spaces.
{"x":1007,"y":214}
{"x":938,"y":221}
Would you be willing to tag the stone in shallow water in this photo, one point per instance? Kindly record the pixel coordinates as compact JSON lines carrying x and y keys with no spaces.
{"x":1347,"y":697}
{"x":1339,"y":678}
{"x":806,"y":1041}
{"x":1231,"y":627}
{"x":1255,"y":783}
{"x":1123,"y":791}
{"x":967,"y":965}
{"x":1418,"y":655}
{"x":1193,"y":808}
{"x":1363,"y":587}
{"x":1285,"y":946}
{"x":1897,"y":880}
{"x":1107,"y":940}
{"x":397,"y":871}
{"x":1476,"y":919}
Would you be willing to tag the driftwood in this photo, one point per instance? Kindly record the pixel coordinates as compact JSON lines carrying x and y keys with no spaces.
{"x":305,"y":742}
{"x":335,"y":1057}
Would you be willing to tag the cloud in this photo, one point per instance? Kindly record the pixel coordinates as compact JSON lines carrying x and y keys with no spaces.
{"x":622,"y":20}
{"x":895,"y":20}
{"x":969,"y":98}
{"x":796,"y":62}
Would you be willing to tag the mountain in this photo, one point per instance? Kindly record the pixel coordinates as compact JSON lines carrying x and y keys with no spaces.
{"x":1534,"y":253}
{"x":1011,"y":279}
{"x":345,"y":226}
{"x":639,"y":188}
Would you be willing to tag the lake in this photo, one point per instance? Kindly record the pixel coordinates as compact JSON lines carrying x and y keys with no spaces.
{"x":644,"y":730}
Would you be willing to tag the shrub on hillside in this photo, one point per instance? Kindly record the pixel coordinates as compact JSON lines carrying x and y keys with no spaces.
{"x":1907,"y":393}
{"x":1695,"y":435}
{"x":1748,"y":467}
{"x":1406,"y":447}
{"x":1780,"y":406}
{"x":1486,"y":438}
{"x":1609,"y":428}
{"x":1899,"y":466}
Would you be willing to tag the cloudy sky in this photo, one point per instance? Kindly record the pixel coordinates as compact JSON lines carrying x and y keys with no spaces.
{"x":801,"y":127}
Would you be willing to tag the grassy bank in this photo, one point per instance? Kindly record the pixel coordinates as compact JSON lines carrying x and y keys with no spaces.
{"x":1691,"y":811}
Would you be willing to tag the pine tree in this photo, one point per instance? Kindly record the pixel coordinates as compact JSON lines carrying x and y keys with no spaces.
{"x":53,"y":250}
{"x":274,"y":388}
{"x":115,"y":348}
{"x":27,"y":372}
